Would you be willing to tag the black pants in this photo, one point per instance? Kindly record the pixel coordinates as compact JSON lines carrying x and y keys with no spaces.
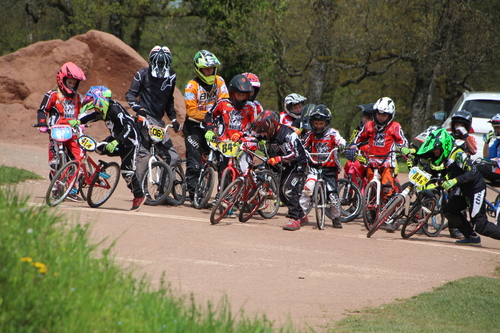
{"x":196,"y":144}
{"x":487,"y":171}
{"x":291,"y":189}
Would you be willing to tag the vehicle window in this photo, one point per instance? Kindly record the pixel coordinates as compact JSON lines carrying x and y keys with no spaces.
{"x":482,"y":108}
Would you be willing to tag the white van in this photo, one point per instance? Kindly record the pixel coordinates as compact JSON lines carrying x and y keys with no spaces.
{"x":483,"y":106}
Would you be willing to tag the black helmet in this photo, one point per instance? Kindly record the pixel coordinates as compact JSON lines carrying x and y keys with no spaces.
{"x":461,"y":117}
{"x":241,"y":84}
{"x":320,"y":112}
{"x":159,"y":61}
{"x":367,"y":109}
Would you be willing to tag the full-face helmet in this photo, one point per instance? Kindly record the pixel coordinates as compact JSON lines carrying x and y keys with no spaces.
{"x":384,"y":105}
{"x":321,"y":113}
{"x":69,"y":70}
{"x":291,"y":100}
{"x":266,"y":125}
{"x":239,"y":84}
{"x":205,"y":59}
{"x":254,"y":80}
{"x":97,"y":98}
{"x":159,"y":61}
{"x":438,"y":140}
{"x":463,"y":118}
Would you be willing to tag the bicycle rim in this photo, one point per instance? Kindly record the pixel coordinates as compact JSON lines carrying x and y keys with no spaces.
{"x":390,"y":214}
{"x":420,"y":213}
{"x":320,"y":204}
{"x":271,"y":203}
{"x":370,"y":205}
{"x":157,"y":183}
{"x":226,"y":201}
{"x":85,"y":181}
{"x":62,"y":183}
{"x":351,"y":200}
{"x":227,"y":177}
{"x":179,"y":187}
{"x":103,"y":184}
{"x":437,"y":221}
{"x":204,"y":188}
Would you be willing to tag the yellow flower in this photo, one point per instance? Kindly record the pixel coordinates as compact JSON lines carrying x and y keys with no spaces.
{"x":26,"y":259}
{"x":41,"y":267}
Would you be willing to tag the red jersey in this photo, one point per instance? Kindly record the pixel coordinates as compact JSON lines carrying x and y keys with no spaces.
{"x":227,"y":120}
{"x":324,"y":144}
{"x":380,"y":142}
{"x":59,"y":109}
{"x":286,"y":119}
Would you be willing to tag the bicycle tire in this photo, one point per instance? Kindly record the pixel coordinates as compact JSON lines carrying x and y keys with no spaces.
{"x":62,"y":183}
{"x":103,"y":184}
{"x":351,"y":200}
{"x":204,"y":188}
{"x":227,"y":177}
{"x":437,"y":221}
{"x":254,"y":201}
{"x":320,"y":203}
{"x":179,"y":186}
{"x":420,"y":212}
{"x":371,"y":208}
{"x":387,"y":213}
{"x":227,"y":200}
{"x":271,"y":203}
{"x":156,"y":183}
{"x":84,"y":187}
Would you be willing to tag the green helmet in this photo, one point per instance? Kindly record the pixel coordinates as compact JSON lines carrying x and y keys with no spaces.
{"x":439,"y":139}
{"x":205,"y":59}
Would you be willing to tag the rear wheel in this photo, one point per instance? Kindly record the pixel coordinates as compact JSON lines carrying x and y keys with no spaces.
{"x":228,"y":176}
{"x":62,"y":183}
{"x":271,"y":203}
{"x":157,"y":183}
{"x":420,"y":213}
{"x":204,"y":188}
{"x":179,"y":187}
{"x":104,"y":184}
{"x":370,"y":204}
{"x":437,"y":221}
{"x":351,"y":200}
{"x":389,"y":214}
{"x":320,"y":204}
{"x":254,"y":201}
{"x":227,"y":199}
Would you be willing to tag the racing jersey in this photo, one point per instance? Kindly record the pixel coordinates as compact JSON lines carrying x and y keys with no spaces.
{"x":155,"y":95}
{"x":199,"y":100}
{"x":380,"y":142}
{"x":286,"y":143}
{"x":57,"y":109}
{"x":227,"y":120}
{"x":286,"y":119}
{"x":459,"y":166}
{"x":324,"y":144}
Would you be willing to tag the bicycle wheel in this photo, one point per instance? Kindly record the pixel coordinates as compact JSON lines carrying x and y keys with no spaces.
{"x":157,"y":183}
{"x":371,"y":207}
{"x":85,"y":181}
{"x":420,"y":212}
{"x":351,"y":200}
{"x":228,"y":198}
{"x":228,"y":175}
{"x":179,"y":187}
{"x":271,"y":203}
{"x":62,"y":183}
{"x":437,"y":221}
{"x":320,"y":203}
{"x":390,"y":213}
{"x":254,"y":200}
{"x":103,"y":184}
{"x":204,"y":188}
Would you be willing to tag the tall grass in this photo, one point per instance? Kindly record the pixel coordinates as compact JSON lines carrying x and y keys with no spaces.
{"x":12,"y":175}
{"x":51,"y":281}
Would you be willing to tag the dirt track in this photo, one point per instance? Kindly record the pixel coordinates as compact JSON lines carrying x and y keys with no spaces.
{"x":308,"y":275}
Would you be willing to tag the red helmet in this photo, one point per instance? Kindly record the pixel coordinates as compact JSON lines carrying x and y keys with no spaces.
{"x":69,"y":70}
{"x":267,"y":123}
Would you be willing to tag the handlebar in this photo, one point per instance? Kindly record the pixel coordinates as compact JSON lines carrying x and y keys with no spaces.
{"x":319,"y":155}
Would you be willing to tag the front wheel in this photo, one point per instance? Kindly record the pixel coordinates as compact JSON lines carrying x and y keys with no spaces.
{"x":204,"y":188}
{"x":271,"y":203}
{"x":320,"y":204}
{"x":420,"y":213}
{"x":157,"y":183}
{"x":351,"y":200}
{"x":389,"y":214}
{"x":62,"y":183}
{"x":227,"y":199}
{"x":103,"y":184}
{"x":179,"y":187}
{"x":371,"y":205}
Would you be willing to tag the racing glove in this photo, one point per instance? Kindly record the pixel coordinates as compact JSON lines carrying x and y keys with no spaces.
{"x":176,"y":125}
{"x":341,"y":148}
{"x":209,"y":135}
{"x":407,"y":151}
{"x":112,"y":146}
{"x":236,"y":136}
{"x":74,"y":122}
{"x":449,"y":183}
{"x":489,"y":136}
{"x":274,"y":160}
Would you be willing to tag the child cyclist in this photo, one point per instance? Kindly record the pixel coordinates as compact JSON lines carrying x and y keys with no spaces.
{"x":323,"y":139}
{"x":383,"y":135}
{"x":491,"y":151}
{"x":61,"y":106}
{"x":254,"y":80}
{"x":125,"y":137}
{"x":291,"y":154}
{"x":293,"y":110}
{"x":469,"y":188}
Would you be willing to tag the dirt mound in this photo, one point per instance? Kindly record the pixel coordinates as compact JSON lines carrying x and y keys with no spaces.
{"x":27,"y":74}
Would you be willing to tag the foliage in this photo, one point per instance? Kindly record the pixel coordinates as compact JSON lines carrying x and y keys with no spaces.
{"x":11,"y":175}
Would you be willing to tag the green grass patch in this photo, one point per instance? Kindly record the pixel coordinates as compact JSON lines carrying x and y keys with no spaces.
{"x":51,"y":280}
{"x":11,"y":175}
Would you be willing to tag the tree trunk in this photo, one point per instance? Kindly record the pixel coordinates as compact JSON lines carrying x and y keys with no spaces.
{"x":316,"y":82}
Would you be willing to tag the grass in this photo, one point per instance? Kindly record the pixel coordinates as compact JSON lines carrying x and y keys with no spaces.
{"x":53,"y":280}
{"x":11,"y":175}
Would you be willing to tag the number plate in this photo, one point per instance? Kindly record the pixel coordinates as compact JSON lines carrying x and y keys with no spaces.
{"x":87,"y":143}
{"x":61,"y":133}
{"x":418,"y":176}
{"x":156,"y":133}
{"x":229,"y":148}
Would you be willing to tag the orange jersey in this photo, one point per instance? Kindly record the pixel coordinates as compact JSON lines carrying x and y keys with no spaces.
{"x":199,"y":101}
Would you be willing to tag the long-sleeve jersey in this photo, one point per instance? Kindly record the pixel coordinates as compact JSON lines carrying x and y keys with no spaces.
{"x":199,"y":98}
{"x":155,"y":95}
{"x":58,"y":109}
{"x":227,"y":120}
{"x":459,"y":166}
{"x":324,"y":144}
{"x":286,"y":143}
{"x":380,"y":142}
{"x":120,"y":124}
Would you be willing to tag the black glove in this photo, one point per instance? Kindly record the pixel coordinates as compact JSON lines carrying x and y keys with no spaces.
{"x":141,"y":112}
{"x":177,"y":126}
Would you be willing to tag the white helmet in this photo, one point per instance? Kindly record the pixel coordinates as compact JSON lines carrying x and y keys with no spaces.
{"x":293,"y":99}
{"x":384,"y":105}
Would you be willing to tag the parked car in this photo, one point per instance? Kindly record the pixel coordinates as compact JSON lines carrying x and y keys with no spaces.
{"x":483,"y":106}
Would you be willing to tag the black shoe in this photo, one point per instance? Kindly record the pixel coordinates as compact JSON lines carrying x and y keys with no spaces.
{"x":455,"y":233}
